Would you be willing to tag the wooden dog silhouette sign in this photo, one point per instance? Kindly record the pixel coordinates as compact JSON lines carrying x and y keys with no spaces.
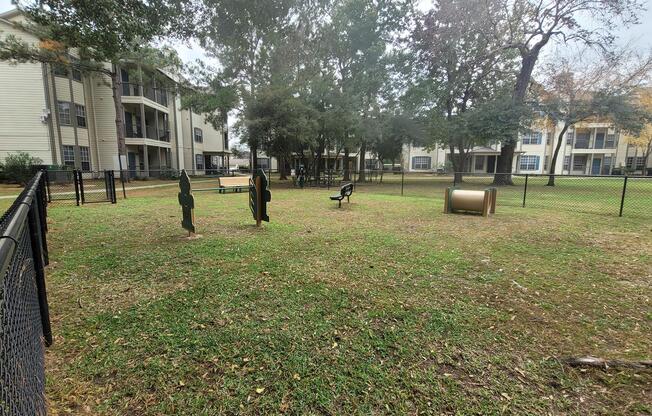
{"x":187,"y":202}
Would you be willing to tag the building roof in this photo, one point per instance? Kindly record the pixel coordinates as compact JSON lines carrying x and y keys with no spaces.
{"x":485,"y":150}
{"x":10,"y":13}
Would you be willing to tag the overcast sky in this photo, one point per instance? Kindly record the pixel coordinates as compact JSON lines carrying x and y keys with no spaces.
{"x":639,"y":37}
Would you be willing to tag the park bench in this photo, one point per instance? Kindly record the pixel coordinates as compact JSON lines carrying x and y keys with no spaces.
{"x":237,"y":183}
{"x":345,"y":192}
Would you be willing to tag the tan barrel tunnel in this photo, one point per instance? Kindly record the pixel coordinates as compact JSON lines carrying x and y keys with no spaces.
{"x":464,"y":200}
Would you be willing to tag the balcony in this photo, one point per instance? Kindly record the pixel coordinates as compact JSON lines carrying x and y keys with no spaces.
{"x":135,"y":132}
{"x":158,"y":95}
{"x":163,"y":134}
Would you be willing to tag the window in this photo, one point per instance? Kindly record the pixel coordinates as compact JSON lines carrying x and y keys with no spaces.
{"x":532,"y":137}
{"x":529,"y":162}
{"x":582,"y":140}
{"x":76,"y":74}
{"x":569,"y":137}
{"x":479,"y":162}
{"x":421,"y":162}
{"x":579,"y":162}
{"x":638,"y":161}
{"x":566,"y":162}
{"x":370,"y":163}
{"x":85,"y":155}
{"x":69,"y":155}
{"x":64,"y":113}
{"x":199,"y":135}
{"x":606,"y":165}
{"x":199,"y":161}
{"x":81,"y":115}
{"x":611,"y":141}
{"x":60,"y":70}
{"x":263,"y":163}
{"x":546,"y":163}
{"x":549,"y":138}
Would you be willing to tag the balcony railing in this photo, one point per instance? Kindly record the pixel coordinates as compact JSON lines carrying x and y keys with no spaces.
{"x":581,"y":144}
{"x":163,"y":134}
{"x":158,"y":95}
{"x":130,"y":89}
{"x":133,"y":131}
{"x":136,"y":132}
{"x":598,"y":146}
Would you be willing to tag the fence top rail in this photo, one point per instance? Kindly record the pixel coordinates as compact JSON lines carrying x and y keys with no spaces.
{"x":547,"y":175}
{"x":13,"y":221}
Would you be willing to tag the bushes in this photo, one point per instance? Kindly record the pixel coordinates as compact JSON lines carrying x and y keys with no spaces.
{"x":19,"y":167}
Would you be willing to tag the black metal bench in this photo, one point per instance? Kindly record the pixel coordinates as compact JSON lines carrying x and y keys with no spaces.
{"x":345,"y":192}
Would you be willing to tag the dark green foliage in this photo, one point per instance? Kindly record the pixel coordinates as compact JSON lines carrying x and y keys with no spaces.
{"x":19,"y":167}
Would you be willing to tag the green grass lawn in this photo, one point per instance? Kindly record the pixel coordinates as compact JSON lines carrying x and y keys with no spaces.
{"x":386,"y":306}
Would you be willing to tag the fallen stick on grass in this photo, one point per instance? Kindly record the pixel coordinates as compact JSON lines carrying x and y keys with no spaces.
{"x":589,"y":361}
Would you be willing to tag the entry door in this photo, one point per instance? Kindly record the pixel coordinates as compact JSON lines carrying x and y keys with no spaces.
{"x":491,"y":164}
{"x":595,"y":168}
{"x":208,"y":164}
{"x":599,"y":141}
{"x":132,"y":164}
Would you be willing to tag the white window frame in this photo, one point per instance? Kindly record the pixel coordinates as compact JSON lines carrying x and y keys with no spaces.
{"x":65,"y":116}
{"x":199,"y":161}
{"x":80,"y":114}
{"x":529,"y":162}
{"x":532,"y":137}
{"x":199,"y":138}
{"x":567,"y":160}
{"x":421,"y":162}
{"x":85,"y":157}
{"x":581,"y":157}
{"x":69,"y":155}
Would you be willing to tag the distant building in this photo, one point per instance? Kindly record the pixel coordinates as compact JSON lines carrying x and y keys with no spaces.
{"x":66,"y":117}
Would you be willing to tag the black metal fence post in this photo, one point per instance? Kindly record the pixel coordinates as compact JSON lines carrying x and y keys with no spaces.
{"x":122,"y":180}
{"x":107,"y":187}
{"x":81,"y":187}
{"x":622,"y":198}
{"x":39,"y":268}
{"x":402,"y":180}
{"x":76,"y":181}
{"x":525,"y":189}
{"x":47,"y":184}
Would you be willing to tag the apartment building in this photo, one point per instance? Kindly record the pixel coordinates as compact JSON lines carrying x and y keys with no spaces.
{"x":590,"y":148}
{"x":66,"y":117}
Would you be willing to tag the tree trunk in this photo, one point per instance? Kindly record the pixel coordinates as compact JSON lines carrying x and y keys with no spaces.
{"x":504,"y":163}
{"x":646,"y":157}
{"x":382,"y":169}
{"x":553,"y":161}
{"x":461,"y":166}
{"x":503,"y":174}
{"x":116,"y":87}
{"x":253,"y":148}
{"x":347,"y":169}
{"x":361,"y":164}
{"x":318,"y":158}
{"x":283,"y":175}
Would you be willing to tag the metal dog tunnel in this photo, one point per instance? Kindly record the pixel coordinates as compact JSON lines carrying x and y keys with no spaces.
{"x":462,"y":200}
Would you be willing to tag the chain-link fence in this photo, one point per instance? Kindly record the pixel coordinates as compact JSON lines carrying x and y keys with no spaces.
{"x":24,"y":316}
{"x":602,"y":195}
{"x":81,"y":187}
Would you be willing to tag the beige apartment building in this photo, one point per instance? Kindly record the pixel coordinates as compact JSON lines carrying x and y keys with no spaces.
{"x":66,"y":117}
{"x":589,"y":148}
